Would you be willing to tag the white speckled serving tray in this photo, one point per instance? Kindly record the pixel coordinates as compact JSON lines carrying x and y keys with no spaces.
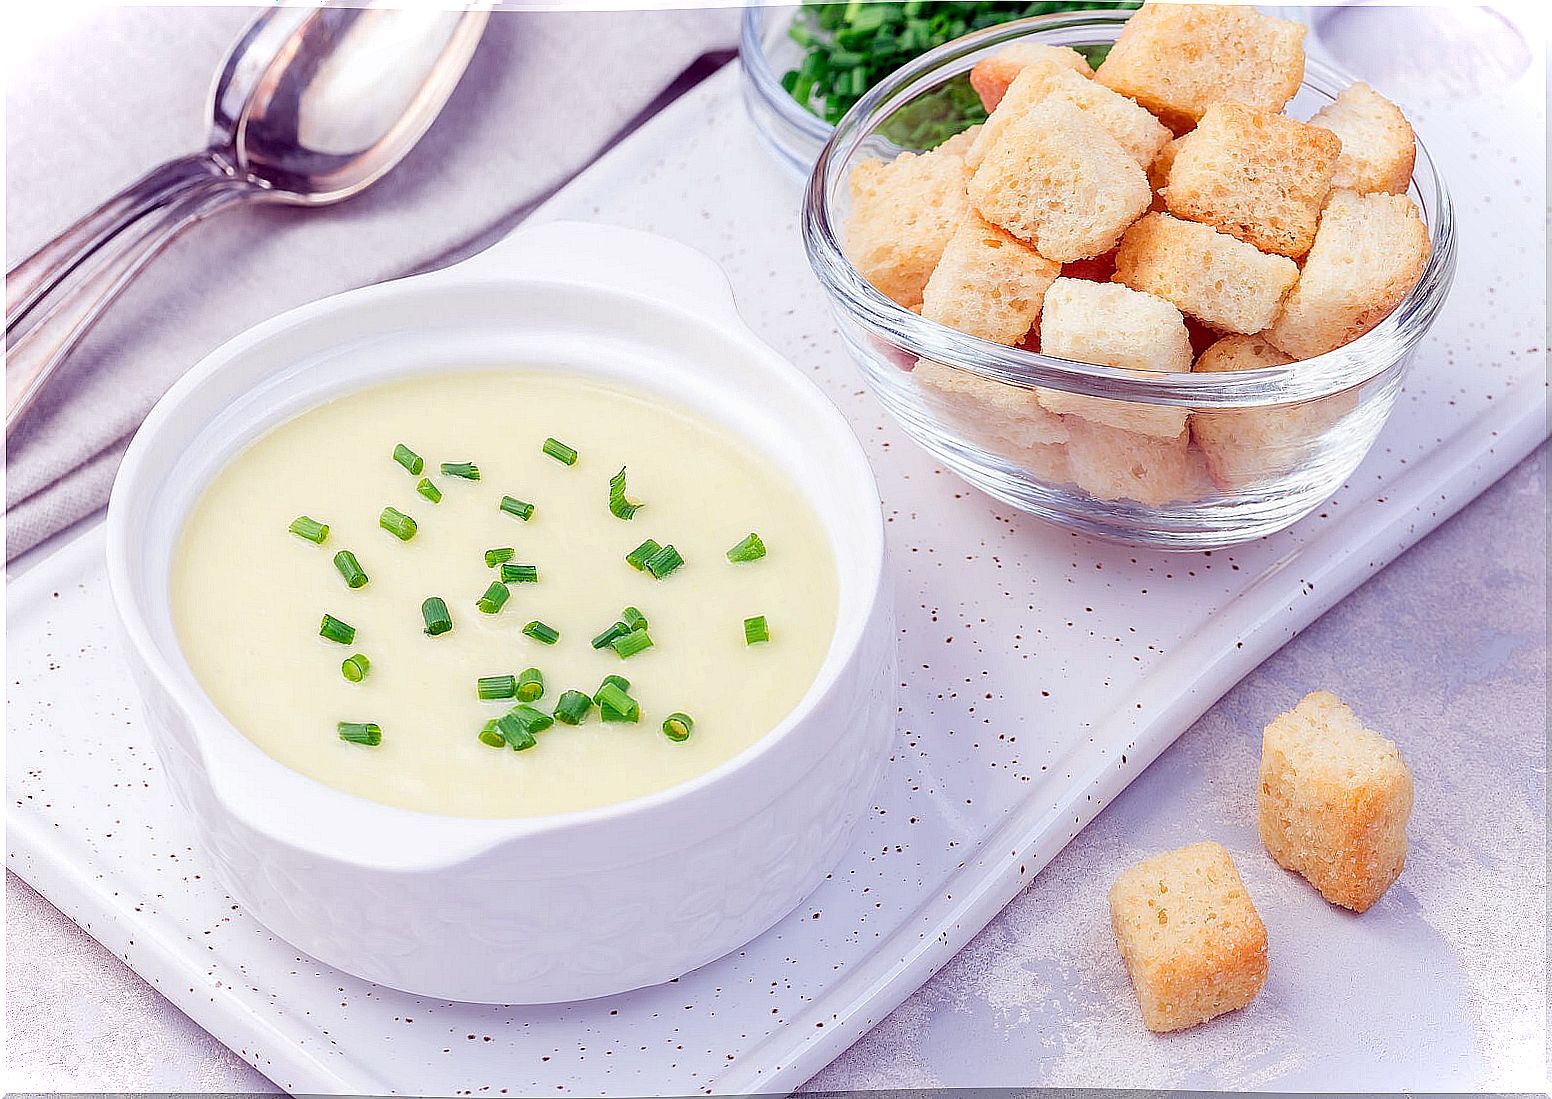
{"x":1041,"y":672}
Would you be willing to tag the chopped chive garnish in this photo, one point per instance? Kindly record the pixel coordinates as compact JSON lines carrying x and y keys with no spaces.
{"x":510,"y":726}
{"x":350,"y":569}
{"x":541,"y":632}
{"x":494,"y":599}
{"x":466,"y":470}
{"x":434,"y":611}
{"x":608,"y":637}
{"x":633,"y":618}
{"x":572,"y":708}
{"x":519,"y":574}
{"x":354,"y":668}
{"x":638,"y":557}
{"x":336,"y":630}
{"x":619,"y":506}
{"x":560,"y":452}
{"x":429,"y":491}
{"x":494,"y":557}
{"x":756,"y":630}
{"x":520,"y":508}
{"x":532,"y":720}
{"x":678,"y":726}
{"x":310,"y":529}
{"x":615,"y":705}
{"x":664,"y":561}
{"x":750,"y":549}
{"x":360,"y":732}
{"x":396,"y":523}
{"x":632,"y":643}
{"x":492,"y":736}
{"x":496,"y":686}
{"x":409,"y":459}
{"x":530,"y":685}
{"x":618,"y":680}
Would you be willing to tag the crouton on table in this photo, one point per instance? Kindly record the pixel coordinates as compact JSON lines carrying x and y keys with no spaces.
{"x":1190,"y":936}
{"x":1333,"y":801}
{"x":991,"y":75}
{"x":1379,"y":149}
{"x":902,"y":215}
{"x":988,"y":283}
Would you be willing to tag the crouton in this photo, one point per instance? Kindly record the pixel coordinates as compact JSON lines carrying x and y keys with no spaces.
{"x":1192,"y":941}
{"x":1112,"y":325}
{"x":1256,"y":175}
{"x":1245,"y":446}
{"x":1110,"y":463}
{"x":1207,"y":274}
{"x":1176,"y":59}
{"x":1333,"y":801}
{"x":960,"y":143}
{"x":902,"y":215}
{"x":1058,"y":181}
{"x":988,"y":284}
{"x":1135,"y":130}
{"x":1158,"y":171}
{"x":1379,"y":149}
{"x":1001,"y":418}
{"x":991,"y":75}
{"x":1368,"y":254}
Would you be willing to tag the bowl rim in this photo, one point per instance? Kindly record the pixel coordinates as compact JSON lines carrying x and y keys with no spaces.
{"x":1336,"y":371}
{"x":757,"y":65}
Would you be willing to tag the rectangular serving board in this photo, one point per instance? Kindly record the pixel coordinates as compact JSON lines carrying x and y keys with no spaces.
{"x":1041,"y":672}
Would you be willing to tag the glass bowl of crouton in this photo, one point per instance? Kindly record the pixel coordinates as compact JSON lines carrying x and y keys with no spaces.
{"x":1168,"y":301}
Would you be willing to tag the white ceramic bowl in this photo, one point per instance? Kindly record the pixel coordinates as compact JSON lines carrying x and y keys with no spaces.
{"x":537,"y":909}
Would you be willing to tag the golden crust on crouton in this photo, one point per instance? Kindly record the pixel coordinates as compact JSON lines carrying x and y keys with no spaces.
{"x":960,"y":143}
{"x":902,"y":216}
{"x":1379,"y":149}
{"x":1369,"y":252}
{"x":1206,"y":274}
{"x":1058,"y":181}
{"x":1004,"y":419}
{"x":988,"y":283}
{"x":991,"y":75}
{"x":1254,"y":174}
{"x":1176,"y":59}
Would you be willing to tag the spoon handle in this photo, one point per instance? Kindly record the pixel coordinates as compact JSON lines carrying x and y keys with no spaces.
{"x":66,"y":308}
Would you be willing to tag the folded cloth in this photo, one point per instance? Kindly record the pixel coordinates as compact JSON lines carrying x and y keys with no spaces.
{"x":86,"y":113}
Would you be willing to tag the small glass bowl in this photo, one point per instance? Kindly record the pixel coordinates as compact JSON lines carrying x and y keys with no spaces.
{"x":1265,"y":446}
{"x":765,"y":52}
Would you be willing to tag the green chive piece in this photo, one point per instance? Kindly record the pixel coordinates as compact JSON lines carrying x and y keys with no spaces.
{"x":677,"y":726}
{"x":519,"y":574}
{"x":468,"y":471}
{"x":494,"y":599}
{"x":615,"y":705}
{"x":354,"y":668}
{"x":562,"y":453}
{"x":756,"y":630}
{"x":360,"y":732}
{"x":532,"y":720}
{"x":537,"y":630}
{"x":663,"y":562}
{"x":607,"y":638}
{"x":494,"y":557}
{"x":618,"y":680}
{"x":510,"y":726}
{"x":350,"y":569}
{"x":496,"y":686}
{"x":310,"y":529}
{"x":530,"y":685}
{"x":572,"y":708}
{"x":492,"y":736}
{"x":438,"y":620}
{"x":520,"y":508}
{"x":632,"y":643}
{"x":619,"y":506}
{"x":633,"y":618}
{"x":750,"y":549}
{"x":396,"y":523}
{"x":429,"y":491}
{"x":336,"y":630}
{"x":409,"y":459}
{"x":638,"y":557}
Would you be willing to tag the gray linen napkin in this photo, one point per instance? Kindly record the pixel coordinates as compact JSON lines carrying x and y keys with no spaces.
{"x":89,"y":112}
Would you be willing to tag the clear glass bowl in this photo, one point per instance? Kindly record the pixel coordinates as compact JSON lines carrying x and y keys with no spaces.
{"x":765,"y":52}
{"x":1282,"y":439}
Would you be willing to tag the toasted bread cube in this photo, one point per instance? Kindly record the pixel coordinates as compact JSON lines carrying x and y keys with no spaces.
{"x":1001,"y":418}
{"x":1379,"y":149}
{"x":1158,"y":173}
{"x":1176,"y":59}
{"x":1112,"y":325}
{"x":902,"y":215}
{"x":1135,"y":130}
{"x":1207,"y":274}
{"x":960,"y":143}
{"x":991,"y":75}
{"x":1110,"y":463}
{"x":1369,"y":253}
{"x":988,"y":283}
{"x":1056,"y":180}
{"x":1333,"y":801}
{"x":1190,"y":936}
{"x":1256,"y":175}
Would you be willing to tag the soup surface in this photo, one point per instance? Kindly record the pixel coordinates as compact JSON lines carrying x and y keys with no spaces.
{"x":249,"y":595}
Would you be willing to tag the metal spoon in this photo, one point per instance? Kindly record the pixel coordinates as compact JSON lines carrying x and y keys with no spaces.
{"x":310,"y":107}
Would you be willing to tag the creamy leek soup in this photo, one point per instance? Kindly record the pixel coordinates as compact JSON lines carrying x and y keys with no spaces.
{"x":360,"y":655}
